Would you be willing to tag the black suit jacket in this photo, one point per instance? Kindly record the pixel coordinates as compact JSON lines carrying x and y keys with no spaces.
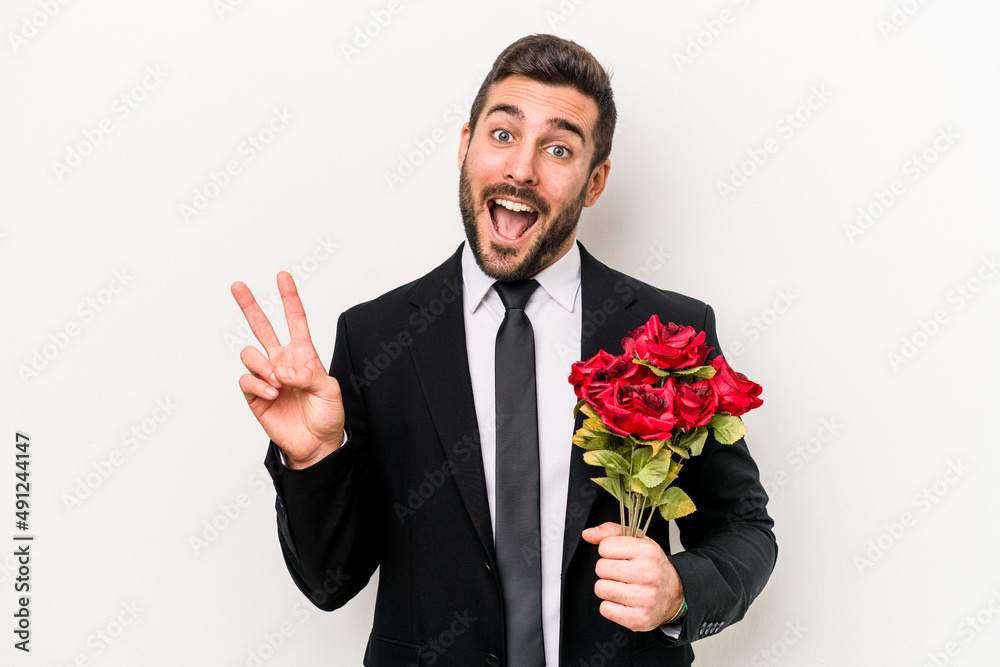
{"x":407,"y":492}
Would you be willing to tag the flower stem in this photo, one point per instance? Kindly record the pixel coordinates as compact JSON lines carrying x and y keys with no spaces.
{"x":645,"y":528}
{"x":638,"y":518}
{"x":621,"y":504}
{"x":632,"y":510}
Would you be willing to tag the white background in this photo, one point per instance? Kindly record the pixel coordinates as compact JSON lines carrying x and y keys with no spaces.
{"x":810,"y":304}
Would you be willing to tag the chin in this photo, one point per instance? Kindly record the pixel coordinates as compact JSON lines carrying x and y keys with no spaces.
{"x":502,"y":262}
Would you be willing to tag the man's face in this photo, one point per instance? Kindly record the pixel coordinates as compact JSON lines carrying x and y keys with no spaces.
{"x":525,"y":175}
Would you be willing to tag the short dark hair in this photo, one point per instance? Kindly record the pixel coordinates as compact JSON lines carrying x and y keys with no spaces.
{"x":557,"y":62}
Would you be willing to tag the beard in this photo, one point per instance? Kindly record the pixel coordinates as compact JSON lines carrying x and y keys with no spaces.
{"x":503,"y":263}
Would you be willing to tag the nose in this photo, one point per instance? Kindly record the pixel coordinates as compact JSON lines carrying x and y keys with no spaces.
{"x":520,"y":167}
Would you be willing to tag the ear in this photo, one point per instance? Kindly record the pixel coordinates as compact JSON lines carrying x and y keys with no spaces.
{"x":463,"y":144}
{"x":598,"y":179}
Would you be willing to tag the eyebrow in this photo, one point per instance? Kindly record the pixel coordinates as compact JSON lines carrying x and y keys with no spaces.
{"x":557,"y":123}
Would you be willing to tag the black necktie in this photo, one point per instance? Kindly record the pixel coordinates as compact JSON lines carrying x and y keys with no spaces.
{"x":518,"y":534}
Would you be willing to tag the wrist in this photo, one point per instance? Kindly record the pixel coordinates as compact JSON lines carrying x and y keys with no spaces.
{"x":681,"y":611}
{"x":317,"y":455}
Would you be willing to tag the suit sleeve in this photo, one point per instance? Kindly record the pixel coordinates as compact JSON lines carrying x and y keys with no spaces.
{"x":729,"y":545}
{"x":326,"y":513}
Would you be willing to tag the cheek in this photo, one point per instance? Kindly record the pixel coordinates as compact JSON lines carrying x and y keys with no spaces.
{"x":563,"y":186}
{"x":485,"y":167}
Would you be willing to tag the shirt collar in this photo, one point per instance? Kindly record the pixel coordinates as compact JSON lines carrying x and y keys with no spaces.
{"x":560,"y":280}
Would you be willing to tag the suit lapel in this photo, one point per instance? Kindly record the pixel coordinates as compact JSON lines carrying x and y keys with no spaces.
{"x":606,"y":320}
{"x":442,"y":366}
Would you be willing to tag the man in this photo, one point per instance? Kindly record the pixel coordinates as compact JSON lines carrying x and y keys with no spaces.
{"x":398,"y":458}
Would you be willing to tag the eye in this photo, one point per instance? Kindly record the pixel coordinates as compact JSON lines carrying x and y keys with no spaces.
{"x":559,"y":151}
{"x":502,"y":136}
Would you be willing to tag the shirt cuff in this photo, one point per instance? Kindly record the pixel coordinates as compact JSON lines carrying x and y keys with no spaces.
{"x":673,"y":630}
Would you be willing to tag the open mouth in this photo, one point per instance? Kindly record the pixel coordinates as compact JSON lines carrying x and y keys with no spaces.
{"x":511,"y":219}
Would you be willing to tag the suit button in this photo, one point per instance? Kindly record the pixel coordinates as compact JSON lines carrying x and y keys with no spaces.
{"x":491,"y":659}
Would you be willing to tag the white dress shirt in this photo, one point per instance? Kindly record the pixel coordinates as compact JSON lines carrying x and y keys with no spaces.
{"x":556,"y":315}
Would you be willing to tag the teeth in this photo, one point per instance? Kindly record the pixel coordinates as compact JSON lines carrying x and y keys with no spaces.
{"x":514,"y":206}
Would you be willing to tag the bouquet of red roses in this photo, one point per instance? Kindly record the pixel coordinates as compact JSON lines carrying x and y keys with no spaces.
{"x":649,"y":409}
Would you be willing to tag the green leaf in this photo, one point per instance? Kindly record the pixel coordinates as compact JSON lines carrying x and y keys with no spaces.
{"x":659,"y":372}
{"x":579,"y":406}
{"x":640,"y":457}
{"x":693,"y":441}
{"x":610,"y":461}
{"x":583,"y":436}
{"x":680,"y":451}
{"x":694,"y":373}
{"x":588,"y":410}
{"x":657,"y":445}
{"x":675,"y":467}
{"x":603,"y":441}
{"x":728,"y":429}
{"x":596,"y":425}
{"x":609,"y":484}
{"x":592,"y":442}
{"x":654,"y":472}
{"x":620,"y":446}
{"x":638,"y":487}
{"x":676,"y":504}
{"x":656,"y":492}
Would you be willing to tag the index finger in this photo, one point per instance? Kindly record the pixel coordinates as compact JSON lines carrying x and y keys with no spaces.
{"x":295,"y":314}
{"x":623,"y":548}
{"x":256,"y":318}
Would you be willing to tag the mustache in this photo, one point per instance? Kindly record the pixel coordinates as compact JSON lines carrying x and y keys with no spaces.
{"x":524,"y":194}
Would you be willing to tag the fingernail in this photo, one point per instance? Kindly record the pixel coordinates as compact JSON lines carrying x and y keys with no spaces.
{"x":270,"y":392}
{"x":274,"y":379}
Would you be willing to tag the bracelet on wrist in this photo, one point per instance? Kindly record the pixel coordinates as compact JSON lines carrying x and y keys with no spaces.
{"x":680,"y":612}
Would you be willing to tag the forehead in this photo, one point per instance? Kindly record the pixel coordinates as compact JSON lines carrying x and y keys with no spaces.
{"x":540,"y":102}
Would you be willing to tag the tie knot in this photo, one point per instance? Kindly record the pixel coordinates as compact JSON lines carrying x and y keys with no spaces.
{"x":516,"y":293}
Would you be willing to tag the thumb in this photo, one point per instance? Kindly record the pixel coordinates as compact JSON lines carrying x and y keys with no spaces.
{"x":596,"y":534}
{"x":306,"y":379}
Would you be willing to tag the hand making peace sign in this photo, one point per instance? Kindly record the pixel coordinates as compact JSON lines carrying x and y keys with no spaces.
{"x":289,"y":391}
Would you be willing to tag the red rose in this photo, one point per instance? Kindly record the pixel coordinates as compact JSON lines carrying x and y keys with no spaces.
{"x":640,"y":410}
{"x":591,"y":376}
{"x":694,"y":404}
{"x":670,"y":346}
{"x":736,"y":393}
